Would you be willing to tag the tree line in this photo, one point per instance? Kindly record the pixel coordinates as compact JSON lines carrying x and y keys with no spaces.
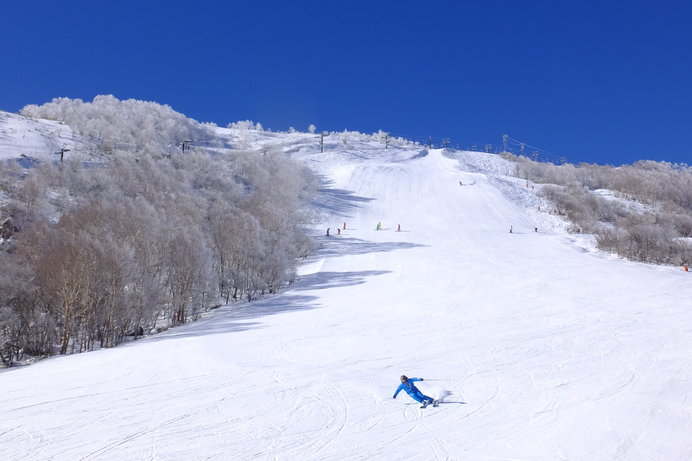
{"x":110,"y":124}
{"x":144,"y":241}
{"x":649,"y":218}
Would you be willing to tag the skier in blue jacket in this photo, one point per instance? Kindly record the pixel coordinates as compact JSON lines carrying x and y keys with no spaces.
{"x":411,"y":389}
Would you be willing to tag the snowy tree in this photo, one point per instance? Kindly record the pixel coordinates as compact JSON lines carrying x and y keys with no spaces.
{"x":143,"y":241}
{"x":124,"y":125}
{"x":653,"y":236}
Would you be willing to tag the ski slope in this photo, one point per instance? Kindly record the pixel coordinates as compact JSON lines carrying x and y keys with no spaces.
{"x":24,"y":137}
{"x":542,"y":347}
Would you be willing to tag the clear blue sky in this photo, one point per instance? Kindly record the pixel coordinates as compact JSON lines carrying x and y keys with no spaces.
{"x":592,"y":81}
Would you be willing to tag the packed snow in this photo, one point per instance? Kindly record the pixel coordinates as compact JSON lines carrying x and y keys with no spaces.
{"x":23,"y":137}
{"x":540,"y":346}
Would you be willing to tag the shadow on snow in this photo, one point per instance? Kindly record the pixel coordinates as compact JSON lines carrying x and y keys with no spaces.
{"x":238,"y":317}
{"x":324,"y":280}
{"x":341,"y":245}
{"x":246,"y":316}
{"x":337,"y":200}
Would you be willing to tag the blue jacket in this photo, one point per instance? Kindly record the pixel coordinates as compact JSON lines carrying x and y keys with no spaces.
{"x":408,"y":386}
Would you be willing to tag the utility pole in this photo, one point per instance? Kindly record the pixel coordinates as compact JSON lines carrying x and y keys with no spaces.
{"x":429,"y":142}
{"x":505,"y":142}
{"x":445,"y":142}
{"x":386,"y":140}
{"x":322,"y":135}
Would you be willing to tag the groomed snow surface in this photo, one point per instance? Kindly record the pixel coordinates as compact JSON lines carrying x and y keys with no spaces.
{"x":541,"y":347}
{"x":23,"y":137}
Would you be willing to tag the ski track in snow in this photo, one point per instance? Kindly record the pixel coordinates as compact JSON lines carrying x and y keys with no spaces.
{"x":542,"y":347}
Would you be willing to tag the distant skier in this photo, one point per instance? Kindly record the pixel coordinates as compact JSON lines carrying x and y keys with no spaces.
{"x":410,"y":388}
{"x":510,"y":229}
{"x":379,"y":226}
{"x":327,"y":231}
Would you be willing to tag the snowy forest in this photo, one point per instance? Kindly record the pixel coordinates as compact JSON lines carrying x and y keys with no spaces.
{"x":146,"y":236}
{"x":642,"y":212}
{"x":129,"y":125}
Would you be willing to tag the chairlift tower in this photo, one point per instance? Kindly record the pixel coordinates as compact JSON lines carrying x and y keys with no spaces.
{"x":185,"y":143}
{"x":62,"y":153}
{"x":322,"y":135}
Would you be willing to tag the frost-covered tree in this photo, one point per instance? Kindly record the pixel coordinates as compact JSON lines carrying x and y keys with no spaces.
{"x":662,"y":189}
{"x":125,"y":125}
{"x":142,"y":241}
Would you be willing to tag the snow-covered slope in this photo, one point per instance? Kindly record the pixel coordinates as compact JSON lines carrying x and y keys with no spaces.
{"x":541,"y":347}
{"x":38,"y":139}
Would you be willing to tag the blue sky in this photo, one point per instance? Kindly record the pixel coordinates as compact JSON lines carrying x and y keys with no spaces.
{"x":605,"y":82}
